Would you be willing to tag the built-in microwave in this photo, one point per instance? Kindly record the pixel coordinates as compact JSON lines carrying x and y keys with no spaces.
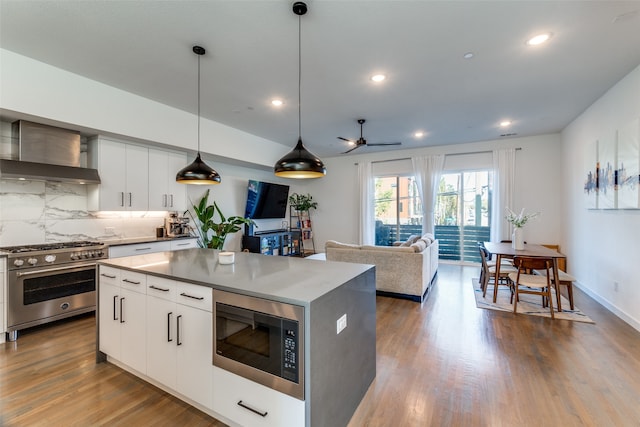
{"x":261,"y":340}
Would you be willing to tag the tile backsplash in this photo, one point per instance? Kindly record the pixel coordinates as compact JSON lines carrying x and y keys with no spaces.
{"x":33,"y":212}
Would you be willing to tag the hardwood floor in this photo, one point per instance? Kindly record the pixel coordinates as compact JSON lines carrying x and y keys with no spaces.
{"x":445,"y":363}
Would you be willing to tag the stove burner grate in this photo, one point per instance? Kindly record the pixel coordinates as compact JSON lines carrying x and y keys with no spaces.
{"x":50,"y":246}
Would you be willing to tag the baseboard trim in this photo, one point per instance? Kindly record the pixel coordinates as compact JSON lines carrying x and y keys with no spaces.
{"x":635,"y":324}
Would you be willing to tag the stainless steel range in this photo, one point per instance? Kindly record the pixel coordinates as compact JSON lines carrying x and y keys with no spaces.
{"x":50,"y":282}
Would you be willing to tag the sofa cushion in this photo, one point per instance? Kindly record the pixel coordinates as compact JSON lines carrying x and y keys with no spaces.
{"x":395,"y":249}
{"x":428,"y":238}
{"x":419,"y":246}
{"x":334,"y":244}
{"x":411,"y":240}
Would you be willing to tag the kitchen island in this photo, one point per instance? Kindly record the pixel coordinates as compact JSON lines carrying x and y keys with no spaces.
{"x":165,"y":299}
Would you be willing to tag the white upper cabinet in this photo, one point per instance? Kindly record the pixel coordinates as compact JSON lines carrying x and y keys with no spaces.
{"x":165,"y":194}
{"x":124,"y":175}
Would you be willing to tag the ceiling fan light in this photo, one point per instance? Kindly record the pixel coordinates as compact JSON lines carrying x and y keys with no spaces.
{"x":198,"y":173}
{"x":300,"y":163}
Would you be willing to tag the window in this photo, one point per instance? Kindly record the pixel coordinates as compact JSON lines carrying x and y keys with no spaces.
{"x":463,"y":214}
{"x":398,"y":209}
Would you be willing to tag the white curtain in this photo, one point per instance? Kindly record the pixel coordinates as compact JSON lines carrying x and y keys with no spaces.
{"x":427,"y":170}
{"x":367,"y":211}
{"x":504,"y":169}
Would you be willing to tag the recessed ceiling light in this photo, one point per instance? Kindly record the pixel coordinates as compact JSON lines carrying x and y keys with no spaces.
{"x":539,"y":39}
{"x":277,"y":102}
{"x":378,"y":77}
{"x":418,"y":134}
{"x":468,"y":55}
{"x":505,"y":123}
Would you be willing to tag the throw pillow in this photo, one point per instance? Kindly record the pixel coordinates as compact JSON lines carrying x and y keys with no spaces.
{"x":411,"y":240}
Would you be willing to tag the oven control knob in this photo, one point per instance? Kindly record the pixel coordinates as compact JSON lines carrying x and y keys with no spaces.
{"x":32,"y":261}
{"x":73,"y":256}
{"x":18,"y":262}
{"x":50,"y":258}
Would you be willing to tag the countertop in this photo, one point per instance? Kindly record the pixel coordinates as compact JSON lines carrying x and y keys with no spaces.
{"x":288,"y":279}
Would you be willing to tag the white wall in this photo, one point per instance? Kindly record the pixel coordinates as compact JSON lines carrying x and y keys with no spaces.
{"x":231,"y":195}
{"x":37,"y":89}
{"x":603,"y":245}
{"x":538,"y":175}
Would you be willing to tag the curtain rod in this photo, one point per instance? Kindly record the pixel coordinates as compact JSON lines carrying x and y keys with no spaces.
{"x":446,"y":155}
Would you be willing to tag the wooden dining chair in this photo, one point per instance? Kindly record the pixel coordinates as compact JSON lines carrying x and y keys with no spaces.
{"x":564,"y":279}
{"x":488,"y":273}
{"x":528,"y":283}
{"x":489,"y":261}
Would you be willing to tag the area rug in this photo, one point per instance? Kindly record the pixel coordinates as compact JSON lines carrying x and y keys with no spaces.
{"x":528,"y":304}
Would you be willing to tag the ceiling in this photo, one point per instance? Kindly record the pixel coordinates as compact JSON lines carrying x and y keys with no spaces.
{"x":144,"y":47}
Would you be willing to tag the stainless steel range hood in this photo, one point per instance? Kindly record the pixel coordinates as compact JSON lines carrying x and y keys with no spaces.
{"x":46,"y":153}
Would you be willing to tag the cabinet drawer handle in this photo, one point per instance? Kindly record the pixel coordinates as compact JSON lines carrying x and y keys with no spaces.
{"x":191,"y":296}
{"x":169,"y":339}
{"x":164,"y":200}
{"x":143,"y":249}
{"x":183,"y":244}
{"x":122,"y":198}
{"x":121,"y":304}
{"x":178,"y":329}
{"x":107,"y":276}
{"x":171,"y":200}
{"x":159,"y":289}
{"x":130,"y":199}
{"x":131,"y":281}
{"x":115,"y":301}
{"x":255,"y":411}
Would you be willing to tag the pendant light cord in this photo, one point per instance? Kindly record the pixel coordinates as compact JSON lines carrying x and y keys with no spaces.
{"x":299,"y":76}
{"x":199,"y":104}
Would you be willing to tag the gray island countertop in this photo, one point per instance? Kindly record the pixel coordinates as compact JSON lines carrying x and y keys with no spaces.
{"x":288,"y":279}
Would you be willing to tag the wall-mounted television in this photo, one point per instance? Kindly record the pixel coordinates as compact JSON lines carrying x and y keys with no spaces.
{"x":266,"y":200}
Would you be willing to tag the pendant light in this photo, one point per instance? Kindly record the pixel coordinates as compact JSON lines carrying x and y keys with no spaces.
{"x":300,"y":162}
{"x":198,"y":172}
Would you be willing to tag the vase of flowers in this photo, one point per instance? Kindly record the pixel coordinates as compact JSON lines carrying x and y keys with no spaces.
{"x":518,"y":221}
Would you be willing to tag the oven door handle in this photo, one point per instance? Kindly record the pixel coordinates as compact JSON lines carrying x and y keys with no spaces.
{"x":49,"y":270}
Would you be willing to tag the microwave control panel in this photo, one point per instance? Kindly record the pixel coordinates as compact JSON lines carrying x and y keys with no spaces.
{"x":290,"y":350}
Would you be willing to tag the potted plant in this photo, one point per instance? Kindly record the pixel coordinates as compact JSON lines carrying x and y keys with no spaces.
{"x":213,"y":233}
{"x":302,"y":202}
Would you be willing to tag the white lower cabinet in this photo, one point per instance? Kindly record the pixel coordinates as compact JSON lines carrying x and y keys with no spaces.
{"x":138,"y":249}
{"x":251,"y":404}
{"x":163,"y":328}
{"x":180,"y":337}
{"x":122,"y":308}
{"x":184,"y":243}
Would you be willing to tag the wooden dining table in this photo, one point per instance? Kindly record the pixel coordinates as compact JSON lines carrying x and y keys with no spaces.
{"x":505,"y":250}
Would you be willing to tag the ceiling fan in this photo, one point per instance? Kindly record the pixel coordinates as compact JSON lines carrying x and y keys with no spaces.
{"x":361,"y":142}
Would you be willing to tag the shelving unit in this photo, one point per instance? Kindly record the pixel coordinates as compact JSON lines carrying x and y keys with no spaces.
{"x":300,"y":222}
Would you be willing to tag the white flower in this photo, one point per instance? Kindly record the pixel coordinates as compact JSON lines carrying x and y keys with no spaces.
{"x":520,"y":220}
